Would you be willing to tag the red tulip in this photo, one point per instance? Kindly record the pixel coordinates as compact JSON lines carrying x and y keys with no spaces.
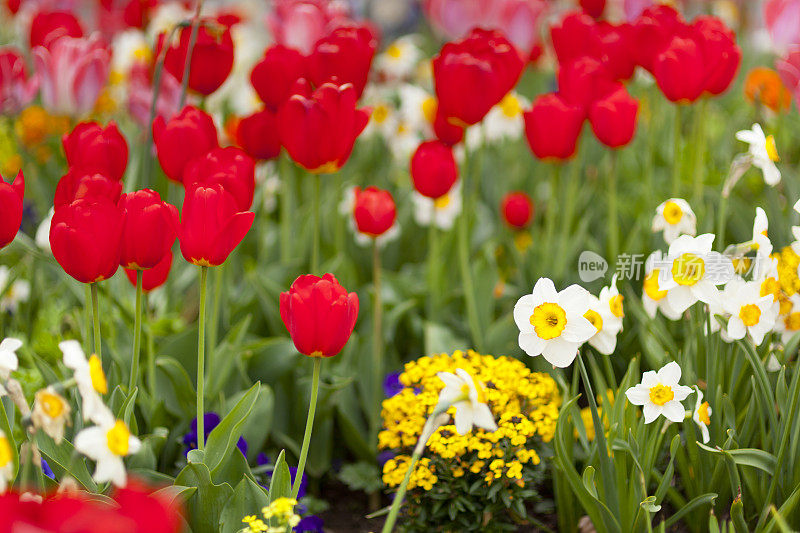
{"x":343,"y":56}
{"x":92,"y":148}
{"x":85,"y":239}
{"x":679,"y":70}
{"x":593,"y":8}
{"x":474,"y":74}
{"x":211,"y":225}
{"x":229,"y":167}
{"x":517,"y":209}
{"x":257,"y":134}
{"x":617,"y":42}
{"x":11,"y":196}
{"x":154,"y":277}
{"x":320,"y":315}
{"x":46,"y":27}
{"x":433,"y":169}
{"x":583,"y":81}
{"x":148,"y":231}
{"x":447,"y":132}
{"x":275,"y":75}
{"x":652,"y":32}
{"x":17,"y":89}
{"x":189,"y":134}
{"x":374,"y":211}
{"x":319,"y":129}
{"x":552,"y":127}
{"x":574,"y":37}
{"x":153,"y":512}
{"x":77,"y":184}
{"x":721,"y":55}
{"x":613,"y":118}
{"x":212,"y":57}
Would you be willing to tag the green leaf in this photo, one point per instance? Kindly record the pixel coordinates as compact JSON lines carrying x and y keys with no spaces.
{"x":281,"y":484}
{"x":361,"y":476}
{"x":248,"y":499}
{"x":175,"y":387}
{"x":695,"y":503}
{"x":747,"y":457}
{"x":64,"y":460}
{"x":5,"y":427}
{"x":225,"y":436}
{"x":588,"y":480}
{"x":206,"y":504}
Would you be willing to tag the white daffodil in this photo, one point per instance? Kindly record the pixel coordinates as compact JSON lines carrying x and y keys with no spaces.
{"x":14,"y":294}
{"x":468,"y":396}
{"x":417,"y":109}
{"x":400,"y":59}
{"x":761,"y":241}
{"x":90,"y":378}
{"x":654,"y":298}
{"x":702,"y":415}
{"x":129,"y":47}
{"x":503,"y":122}
{"x":763,"y":153}
{"x":441,"y":212}
{"x":660,"y":394}
{"x":796,"y":231}
{"x":50,"y":413}
{"x":788,"y":323}
{"x":6,"y":462}
{"x":750,"y":311}
{"x":8,"y":359}
{"x":605,"y":313}
{"x":554,"y":324}
{"x":42,"y":237}
{"x":693,"y":272}
{"x":107,"y":444}
{"x":674,"y":218}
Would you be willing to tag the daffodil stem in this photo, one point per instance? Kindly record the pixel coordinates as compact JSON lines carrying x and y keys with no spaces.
{"x":613,"y":216}
{"x":676,"y":152}
{"x":96,"y":322}
{"x":377,"y":339}
{"x":388,"y":526}
{"x":137,"y":333}
{"x":606,"y":467}
{"x":201,"y":359}
{"x":312,"y":408}
{"x":189,"y":51}
{"x":315,"y":240}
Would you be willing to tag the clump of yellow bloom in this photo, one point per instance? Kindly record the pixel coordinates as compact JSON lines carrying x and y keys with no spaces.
{"x":526,"y":403}
{"x":279,"y":513}
{"x":788,"y":261}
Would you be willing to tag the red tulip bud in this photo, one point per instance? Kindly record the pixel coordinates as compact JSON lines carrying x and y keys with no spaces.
{"x":11,"y":196}
{"x":552,"y":127}
{"x":517,"y":209}
{"x":374,"y":211}
{"x":95,"y":149}
{"x":189,"y":134}
{"x":433,"y":169}
{"x":211,"y":225}
{"x":212,"y":56}
{"x":613,"y":118}
{"x":679,"y":70}
{"x":154,"y":277}
{"x":229,"y":167}
{"x":258,"y":135}
{"x":343,"y":56}
{"x":275,"y":75}
{"x":148,"y":231}
{"x":46,"y":27}
{"x":320,"y":315}
{"x":447,"y":132}
{"x":85,"y":238}
{"x":77,"y":184}
{"x":593,"y":8}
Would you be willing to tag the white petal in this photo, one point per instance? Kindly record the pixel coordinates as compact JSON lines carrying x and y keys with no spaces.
{"x":531,"y":344}
{"x":463,"y":418}
{"x":680,"y":299}
{"x":92,"y":442}
{"x":544,"y":291}
{"x":578,"y":329}
{"x":450,"y":380}
{"x":73,"y":354}
{"x":670,"y":373}
{"x":523,"y":310}
{"x":651,"y":412}
{"x":674,"y":411}
{"x":736,"y":328}
{"x":483,"y":417}
{"x":560,"y":353}
{"x":637,"y":395}
{"x":10,"y":345}
{"x":681,"y":392}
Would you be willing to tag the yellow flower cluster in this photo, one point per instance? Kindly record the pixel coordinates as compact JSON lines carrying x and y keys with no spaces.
{"x":526,"y":404}
{"x":282,"y":514}
{"x":788,"y":261}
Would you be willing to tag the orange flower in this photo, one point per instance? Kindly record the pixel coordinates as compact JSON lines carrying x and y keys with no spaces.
{"x":765,"y":85}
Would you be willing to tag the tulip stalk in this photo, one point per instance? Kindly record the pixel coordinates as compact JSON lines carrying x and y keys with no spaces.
{"x":189,"y":51}
{"x":201,"y":355}
{"x":96,"y":322}
{"x":137,"y":333}
{"x":466,"y":270}
{"x":676,"y":152}
{"x":612,"y":216}
{"x":312,"y":407}
{"x":315,"y":239}
{"x":377,"y":338}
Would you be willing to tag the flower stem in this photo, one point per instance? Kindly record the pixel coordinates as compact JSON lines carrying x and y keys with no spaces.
{"x":388,"y":526}
{"x":87,"y":305}
{"x":699,"y":147}
{"x":201,"y":359}
{"x":286,"y":209}
{"x":433,"y":272}
{"x":96,"y":322}
{"x":613,"y":216}
{"x":377,"y":339}
{"x":189,"y":51}
{"x":312,"y":407}
{"x":676,"y":152}
{"x":315,"y":239}
{"x":137,"y":333}
{"x":469,"y":287}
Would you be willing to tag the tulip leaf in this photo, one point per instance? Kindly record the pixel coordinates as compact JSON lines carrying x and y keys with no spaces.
{"x":63,"y":460}
{"x":248,"y":499}
{"x":280,"y":486}
{"x":206,"y":504}
{"x":225,"y":436}
{"x":175,"y":387}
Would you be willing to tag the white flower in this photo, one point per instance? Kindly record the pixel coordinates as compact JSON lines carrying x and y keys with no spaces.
{"x":660,"y":394}
{"x":654,"y":298}
{"x":19,"y":291}
{"x":43,"y":232}
{"x":503,"y":122}
{"x":761,"y":241}
{"x":106,"y":444}
{"x":469,"y":398}
{"x":400,"y":58}
{"x":90,"y":378}
{"x":129,"y":47}
{"x":6,"y":462}
{"x":702,"y":415}
{"x":674,"y":217}
{"x":270,"y":190}
{"x":763,"y":153}
{"x":605,"y":313}
{"x":51,"y":413}
{"x":693,"y":271}
{"x":441,"y":212}
{"x":750,"y":312}
{"x":8,"y":359}
{"x":554,"y":324}
{"x":417,"y":109}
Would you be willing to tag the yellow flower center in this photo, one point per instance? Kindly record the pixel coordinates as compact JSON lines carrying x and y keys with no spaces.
{"x":380,"y":113}
{"x":119,"y":438}
{"x":548,"y":320}
{"x":616,"y":305}
{"x":429,"y":107}
{"x":394,"y":51}
{"x":594,"y":317}
{"x":688,"y":269}
{"x":672,"y":212}
{"x":750,"y":314}
{"x":661,"y":394}
{"x":52,"y":404}
{"x":772,"y":149}
{"x":702,"y":414}
{"x":5,"y":452}
{"x":442,"y":202}
{"x":99,"y":383}
{"x":510,"y":106}
{"x":792,"y":322}
{"x":651,"y":286}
